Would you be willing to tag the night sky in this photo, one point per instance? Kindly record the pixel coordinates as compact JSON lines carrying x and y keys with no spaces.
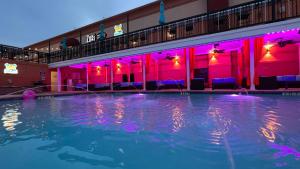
{"x":24,"y":22}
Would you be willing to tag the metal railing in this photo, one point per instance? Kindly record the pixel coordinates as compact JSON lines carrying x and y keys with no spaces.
{"x":19,"y":54}
{"x":244,"y":15}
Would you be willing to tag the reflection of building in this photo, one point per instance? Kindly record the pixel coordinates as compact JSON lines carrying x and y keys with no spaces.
{"x":10,"y":119}
{"x":271,"y":127}
{"x":213,"y":44}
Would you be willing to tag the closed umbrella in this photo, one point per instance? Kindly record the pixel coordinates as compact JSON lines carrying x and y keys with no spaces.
{"x":63,"y":43}
{"x":101,"y":32}
{"x":162,"y":18}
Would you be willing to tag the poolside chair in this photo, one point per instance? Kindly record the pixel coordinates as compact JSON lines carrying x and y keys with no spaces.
{"x":224,"y":83}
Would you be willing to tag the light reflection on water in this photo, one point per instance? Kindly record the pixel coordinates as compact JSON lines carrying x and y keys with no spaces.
{"x":153,"y":131}
{"x":177,"y":118}
{"x":271,"y":126}
{"x":119,"y":112}
{"x":10,"y":119}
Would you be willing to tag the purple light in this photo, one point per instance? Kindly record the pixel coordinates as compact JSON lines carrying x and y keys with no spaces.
{"x":131,"y":127}
{"x":285,"y":151}
{"x":234,"y":95}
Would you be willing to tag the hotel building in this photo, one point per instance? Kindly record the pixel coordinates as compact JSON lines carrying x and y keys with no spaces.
{"x":176,"y":44}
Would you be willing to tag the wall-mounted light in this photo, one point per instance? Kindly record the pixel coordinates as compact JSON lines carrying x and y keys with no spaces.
{"x":213,"y":58}
{"x":268,"y":47}
{"x":212,"y":54}
{"x":212,"y":51}
{"x":118,"y":66}
{"x":98,"y":68}
{"x":176,"y":60}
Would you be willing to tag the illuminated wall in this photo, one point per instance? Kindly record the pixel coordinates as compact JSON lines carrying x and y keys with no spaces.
{"x":99,"y":74}
{"x":78,"y":75}
{"x":28,"y":73}
{"x":279,"y":61}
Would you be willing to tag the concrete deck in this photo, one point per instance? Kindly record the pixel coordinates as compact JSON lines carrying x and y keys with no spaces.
{"x":286,"y":92}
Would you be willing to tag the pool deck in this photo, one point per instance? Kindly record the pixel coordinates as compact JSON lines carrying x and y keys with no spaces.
{"x":286,"y":92}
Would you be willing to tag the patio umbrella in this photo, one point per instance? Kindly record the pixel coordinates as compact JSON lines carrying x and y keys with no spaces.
{"x":101,"y":32}
{"x":63,"y":43}
{"x":162,"y":18}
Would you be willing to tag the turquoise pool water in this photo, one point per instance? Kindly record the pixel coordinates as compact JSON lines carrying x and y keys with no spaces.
{"x":151,"y":131}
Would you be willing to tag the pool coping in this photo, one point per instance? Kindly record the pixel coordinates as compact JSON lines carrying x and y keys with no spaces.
{"x":285,"y":92}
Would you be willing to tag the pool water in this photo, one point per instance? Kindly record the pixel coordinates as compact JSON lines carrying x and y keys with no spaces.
{"x":151,"y":131}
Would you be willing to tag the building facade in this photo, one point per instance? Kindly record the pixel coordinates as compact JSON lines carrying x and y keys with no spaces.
{"x":214,"y":44}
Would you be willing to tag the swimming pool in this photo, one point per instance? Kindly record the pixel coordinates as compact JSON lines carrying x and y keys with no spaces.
{"x":151,"y":131}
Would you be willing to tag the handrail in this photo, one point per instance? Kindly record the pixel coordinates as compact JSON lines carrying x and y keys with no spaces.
{"x":239,"y":16}
{"x":14,"y":53}
{"x":243,"y":15}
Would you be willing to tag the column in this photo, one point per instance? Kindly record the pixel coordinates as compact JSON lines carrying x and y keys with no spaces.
{"x":144,"y":73}
{"x":58,"y":80}
{"x":252,"y":64}
{"x":157,"y":68}
{"x":111,"y":76}
{"x":87,"y":76}
{"x":188,"y":72}
{"x":106,"y":74}
{"x":299,"y":57}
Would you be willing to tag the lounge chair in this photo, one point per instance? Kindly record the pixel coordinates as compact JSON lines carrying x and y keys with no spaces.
{"x":224,"y":83}
{"x":267,"y":83}
{"x":288,"y":81}
{"x":100,"y":86}
{"x":80,"y":86}
{"x":198,"y":84}
{"x":165,"y":84}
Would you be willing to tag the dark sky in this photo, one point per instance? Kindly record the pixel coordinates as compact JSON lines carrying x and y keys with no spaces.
{"x":23,"y":22}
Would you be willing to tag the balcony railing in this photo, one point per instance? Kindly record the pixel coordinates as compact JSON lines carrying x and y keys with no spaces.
{"x":19,"y":54}
{"x":244,"y":15}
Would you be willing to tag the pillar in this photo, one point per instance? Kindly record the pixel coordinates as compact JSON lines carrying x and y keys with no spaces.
{"x":252,"y":64}
{"x":144,"y":73}
{"x":188,"y":72}
{"x":157,"y":68}
{"x":58,"y":80}
{"x":129,"y":68}
{"x":106,"y":74}
{"x":111,"y":76}
{"x":299,"y":57}
{"x":88,"y":68}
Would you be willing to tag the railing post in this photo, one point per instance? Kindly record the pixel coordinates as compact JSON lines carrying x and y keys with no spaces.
{"x":252,"y":12}
{"x":229,"y":19}
{"x":240,"y":19}
{"x":265,"y":8}
{"x":202,"y":25}
{"x":207,"y":23}
{"x":48,"y":58}
{"x":218,"y":21}
{"x":161,"y":33}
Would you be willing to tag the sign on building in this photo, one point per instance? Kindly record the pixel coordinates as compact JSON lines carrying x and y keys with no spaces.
{"x":10,"y":68}
{"x":118,"y":30}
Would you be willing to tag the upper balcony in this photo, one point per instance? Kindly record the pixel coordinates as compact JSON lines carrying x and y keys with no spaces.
{"x":244,"y":15}
{"x":19,"y":54}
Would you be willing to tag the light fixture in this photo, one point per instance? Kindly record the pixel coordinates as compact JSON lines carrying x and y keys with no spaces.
{"x":268,"y":47}
{"x":98,"y":68}
{"x":213,"y":57}
{"x":118,"y":66}
{"x":176,"y":59}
